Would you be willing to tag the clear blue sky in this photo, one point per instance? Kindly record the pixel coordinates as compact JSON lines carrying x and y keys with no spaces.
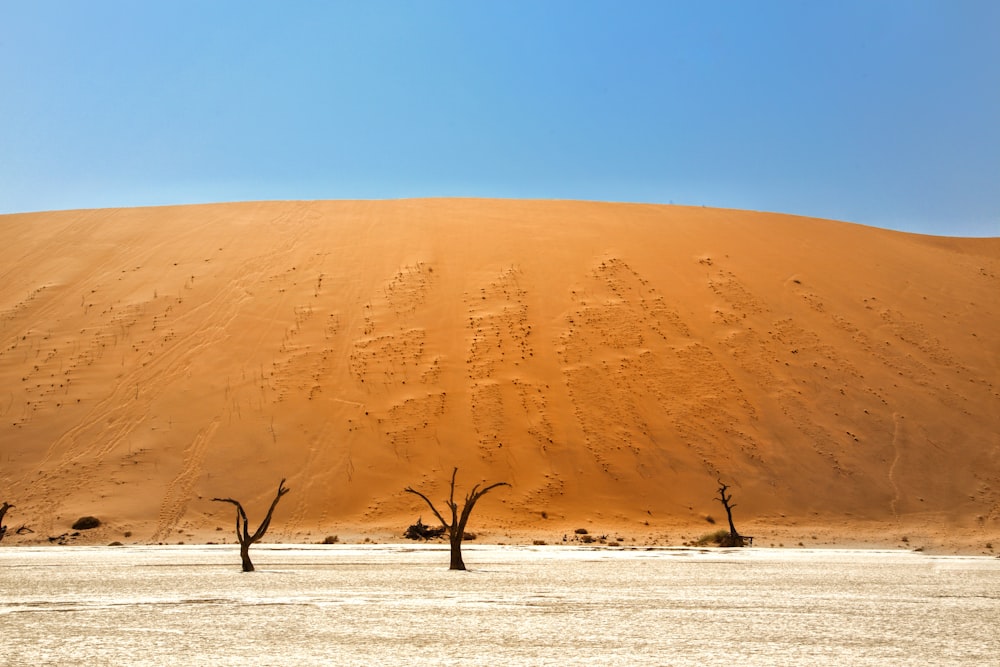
{"x":881,"y":112}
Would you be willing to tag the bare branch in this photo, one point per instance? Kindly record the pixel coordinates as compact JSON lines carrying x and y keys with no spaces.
{"x":429,"y":504}
{"x":242,"y":533}
{"x":267,"y":520}
{"x":451,"y":497}
{"x":490,"y":488}
{"x":472,"y":498}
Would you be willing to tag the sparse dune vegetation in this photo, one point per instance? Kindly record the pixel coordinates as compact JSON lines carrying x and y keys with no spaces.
{"x":611,"y":361}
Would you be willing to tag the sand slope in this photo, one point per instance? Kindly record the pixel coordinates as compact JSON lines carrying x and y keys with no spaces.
{"x":610,"y":361}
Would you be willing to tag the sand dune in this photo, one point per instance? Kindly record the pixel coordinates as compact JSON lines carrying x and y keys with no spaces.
{"x":610,"y":361}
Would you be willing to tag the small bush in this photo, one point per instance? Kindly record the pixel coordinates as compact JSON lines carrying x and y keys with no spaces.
{"x":331,"y":539}
{"x":719,"y":537}
{"x":581,"y":531}
{"x":86,"y":523}
{"x":421,"y":531}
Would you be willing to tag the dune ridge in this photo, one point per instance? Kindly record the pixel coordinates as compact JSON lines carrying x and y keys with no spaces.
{"x":610,"y":361}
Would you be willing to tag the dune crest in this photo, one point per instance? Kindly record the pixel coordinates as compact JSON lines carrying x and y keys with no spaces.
{"x":610,"y":361}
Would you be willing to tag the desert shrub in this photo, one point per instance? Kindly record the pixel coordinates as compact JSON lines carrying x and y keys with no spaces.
{"x":581,"y":531}
{"x":86,"y":523}
{"x":421,"y":531}
{"x":539,"y":543}
{"x":719,"y":537}
{"x":331,"y":539}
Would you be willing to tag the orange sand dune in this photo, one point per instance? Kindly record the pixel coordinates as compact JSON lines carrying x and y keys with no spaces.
{"x":610,"y":361}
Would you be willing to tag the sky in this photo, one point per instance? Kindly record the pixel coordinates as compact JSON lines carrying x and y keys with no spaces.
{"x":880,"y":112}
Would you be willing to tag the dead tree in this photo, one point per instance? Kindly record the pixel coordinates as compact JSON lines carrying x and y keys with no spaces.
{"x":242,"y":525}
{"x":3,"y":510}
{"x":734,"y":537}
{"x":456,"y":528}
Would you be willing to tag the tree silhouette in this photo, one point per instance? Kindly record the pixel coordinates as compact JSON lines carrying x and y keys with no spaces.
{"x":735,"y":540}
{"x":456,"y":528}
{"x":242,"y":525}
{"x":3,"y":510}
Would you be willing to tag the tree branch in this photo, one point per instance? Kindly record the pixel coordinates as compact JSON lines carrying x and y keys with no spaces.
{"x":429,"y":504}
{"x":267,"y":520}
{"x":472,"y":498}
{"x":241,"y":530}
{"x":451,"y":499}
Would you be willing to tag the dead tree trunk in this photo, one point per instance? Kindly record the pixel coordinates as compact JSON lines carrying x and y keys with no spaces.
{"x":734,"y":537}
{"x":456,"y":528}
{"x":242,"y":525}
{"x":3,"y":510}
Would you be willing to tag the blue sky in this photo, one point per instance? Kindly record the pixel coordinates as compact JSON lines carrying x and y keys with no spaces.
{"x":881,"y":112}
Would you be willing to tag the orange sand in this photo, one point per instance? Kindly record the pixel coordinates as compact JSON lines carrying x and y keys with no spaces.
{"x":610,"y":361}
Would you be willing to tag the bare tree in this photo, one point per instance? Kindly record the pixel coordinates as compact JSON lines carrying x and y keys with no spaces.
{"x":3,"y":510}
{"x":735,"y":540}
{"x":242,"y":525}
{"x":456,"y":529}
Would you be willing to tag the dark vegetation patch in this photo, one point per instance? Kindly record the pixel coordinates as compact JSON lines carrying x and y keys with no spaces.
{"x":86,"y":523}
